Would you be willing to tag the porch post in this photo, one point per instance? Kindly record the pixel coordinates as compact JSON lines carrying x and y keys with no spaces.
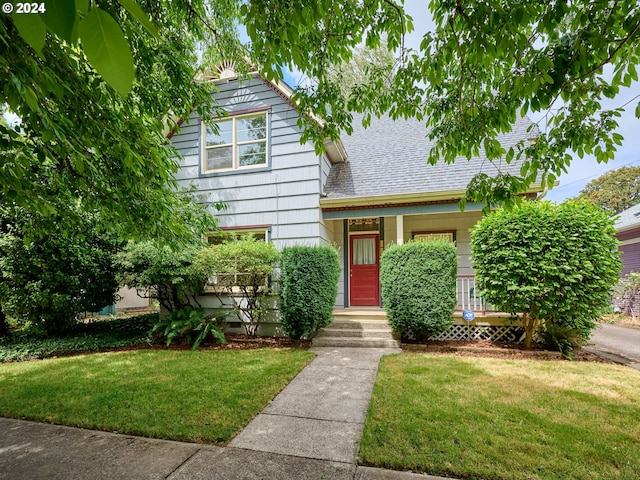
{"x":400,"y":229}
{"x":345,"y":260}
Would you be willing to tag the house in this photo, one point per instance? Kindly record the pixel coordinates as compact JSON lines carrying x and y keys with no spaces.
{"x":372,"y":189}
{"x":627,"y":227}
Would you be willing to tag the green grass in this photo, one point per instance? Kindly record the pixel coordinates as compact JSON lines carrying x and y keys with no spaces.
{"x":199,"y":396}
{"x":483,"y":418}
{"x":32,"y":343}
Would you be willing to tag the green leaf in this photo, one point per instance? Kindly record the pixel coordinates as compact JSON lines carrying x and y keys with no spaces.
{"x":31,"y":98}
{"x":60,"y":18}
{"x":134,"y":9}
{"x":107,"y":50}
{"x":82,"y":6}
{"x":32,"y":29}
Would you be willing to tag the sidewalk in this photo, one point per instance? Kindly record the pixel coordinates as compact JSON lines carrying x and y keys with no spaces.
{"x":311,"y":430}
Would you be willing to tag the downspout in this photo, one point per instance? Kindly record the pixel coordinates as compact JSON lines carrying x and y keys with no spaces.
{"x":544,"y":193}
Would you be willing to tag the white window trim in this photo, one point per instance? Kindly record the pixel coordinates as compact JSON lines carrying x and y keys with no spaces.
{"x":235,"y":144}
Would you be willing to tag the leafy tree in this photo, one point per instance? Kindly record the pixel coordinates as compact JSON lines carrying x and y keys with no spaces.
{"x":615,"y":191}
{"x":366,"y":64}
{"x":484,"y":64}
{"x":554,"y":264}
{"x":103,"y":142}
{"x":50,"y":280}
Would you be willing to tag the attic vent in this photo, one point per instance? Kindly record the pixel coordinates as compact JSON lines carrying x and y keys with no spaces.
{"x":226,"y":69}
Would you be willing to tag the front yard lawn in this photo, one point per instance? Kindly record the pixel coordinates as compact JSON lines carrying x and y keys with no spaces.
{"x":200,"y":396}
{"x":487,"y":418}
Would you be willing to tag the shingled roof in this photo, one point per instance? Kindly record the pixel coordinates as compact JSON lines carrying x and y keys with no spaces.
{"x":628,"y":219}
{"x":390,"y":158}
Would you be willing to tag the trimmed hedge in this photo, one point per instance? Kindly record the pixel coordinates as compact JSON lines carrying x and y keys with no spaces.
{"x":419,"y":287}
{"x":308,"y":288}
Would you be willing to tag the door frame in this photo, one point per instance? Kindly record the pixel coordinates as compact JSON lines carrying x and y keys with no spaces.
{"x":376,"y":237}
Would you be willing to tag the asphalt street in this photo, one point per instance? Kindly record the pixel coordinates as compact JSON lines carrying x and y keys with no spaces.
{"x":619,"y":341}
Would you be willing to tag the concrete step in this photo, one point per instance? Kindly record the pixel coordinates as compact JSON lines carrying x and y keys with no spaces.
{"x":354,"y":342}
{"x":338,"y":323}
{"x":358,"y":328}
{"x":372,"y":316}
{"x":359,"y":333}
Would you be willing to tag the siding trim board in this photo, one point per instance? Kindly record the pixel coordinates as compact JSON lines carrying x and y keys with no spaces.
{"x":238,"y":112}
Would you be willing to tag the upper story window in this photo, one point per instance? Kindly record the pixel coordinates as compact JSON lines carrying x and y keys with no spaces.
{"x":239,"y":143}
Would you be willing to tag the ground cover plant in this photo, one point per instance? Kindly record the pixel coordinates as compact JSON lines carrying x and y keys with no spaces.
{"x":469,"y":417}
{"x":199,"y":396}
{"x":623,"y":320}
{"x":33,"y":343}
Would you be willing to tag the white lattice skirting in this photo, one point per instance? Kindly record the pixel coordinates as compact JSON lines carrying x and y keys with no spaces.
{"x":508,"y":333}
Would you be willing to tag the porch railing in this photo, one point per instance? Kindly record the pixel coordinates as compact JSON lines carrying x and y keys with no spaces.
{"x":468,"y":296}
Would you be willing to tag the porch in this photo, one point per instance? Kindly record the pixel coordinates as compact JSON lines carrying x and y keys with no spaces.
{"x":367,"y":326}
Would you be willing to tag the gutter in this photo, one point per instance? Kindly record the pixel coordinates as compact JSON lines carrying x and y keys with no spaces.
{"x":442,"y":196}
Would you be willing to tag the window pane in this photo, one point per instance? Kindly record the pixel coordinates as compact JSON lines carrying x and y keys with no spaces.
{"x":252,"y":154}
{"x":428,"y":237}
{"x":364,"y":251}
{"x":224,"y":135}
{"x":252,"y":128}
{"x":219,"y":158}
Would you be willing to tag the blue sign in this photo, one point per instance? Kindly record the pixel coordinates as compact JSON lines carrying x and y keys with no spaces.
{"x":468,"y":315}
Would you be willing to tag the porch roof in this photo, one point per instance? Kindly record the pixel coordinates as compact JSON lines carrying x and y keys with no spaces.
{"x":389,"y":159}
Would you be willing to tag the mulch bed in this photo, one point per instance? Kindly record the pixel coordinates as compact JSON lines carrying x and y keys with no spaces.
{"x":471,"y":348}
{"x":486,"y":348}
{"x":240,"y":341}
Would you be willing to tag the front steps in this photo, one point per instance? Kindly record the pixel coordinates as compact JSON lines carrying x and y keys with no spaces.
{"x":367,"y":328}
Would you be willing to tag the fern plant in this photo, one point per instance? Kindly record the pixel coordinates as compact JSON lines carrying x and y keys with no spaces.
{"x":190,"y":325}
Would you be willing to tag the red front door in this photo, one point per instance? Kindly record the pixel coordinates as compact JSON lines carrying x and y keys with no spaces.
{"x":364,"y":270}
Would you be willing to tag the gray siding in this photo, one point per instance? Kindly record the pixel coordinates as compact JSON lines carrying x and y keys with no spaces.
{"x":325,"y":168}
{"x":630,"y":258}
{"x":284,"y":196}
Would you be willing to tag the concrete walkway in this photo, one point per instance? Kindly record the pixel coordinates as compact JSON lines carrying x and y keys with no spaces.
{"x":311,"y":430}
{"x":321,"y":413}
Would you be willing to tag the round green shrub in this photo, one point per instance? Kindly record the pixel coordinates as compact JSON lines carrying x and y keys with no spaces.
{"x":554,"y":264}
{"x":419,"y":287}
{"x":308,"y":288}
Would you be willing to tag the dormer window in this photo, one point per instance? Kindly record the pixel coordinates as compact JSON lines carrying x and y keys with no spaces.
{"x":238,"y":143}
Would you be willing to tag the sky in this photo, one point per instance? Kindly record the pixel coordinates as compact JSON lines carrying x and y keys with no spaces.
{"x":581,"y":171}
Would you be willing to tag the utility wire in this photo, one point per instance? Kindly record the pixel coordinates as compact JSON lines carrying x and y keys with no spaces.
{"x":593,"y":176}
